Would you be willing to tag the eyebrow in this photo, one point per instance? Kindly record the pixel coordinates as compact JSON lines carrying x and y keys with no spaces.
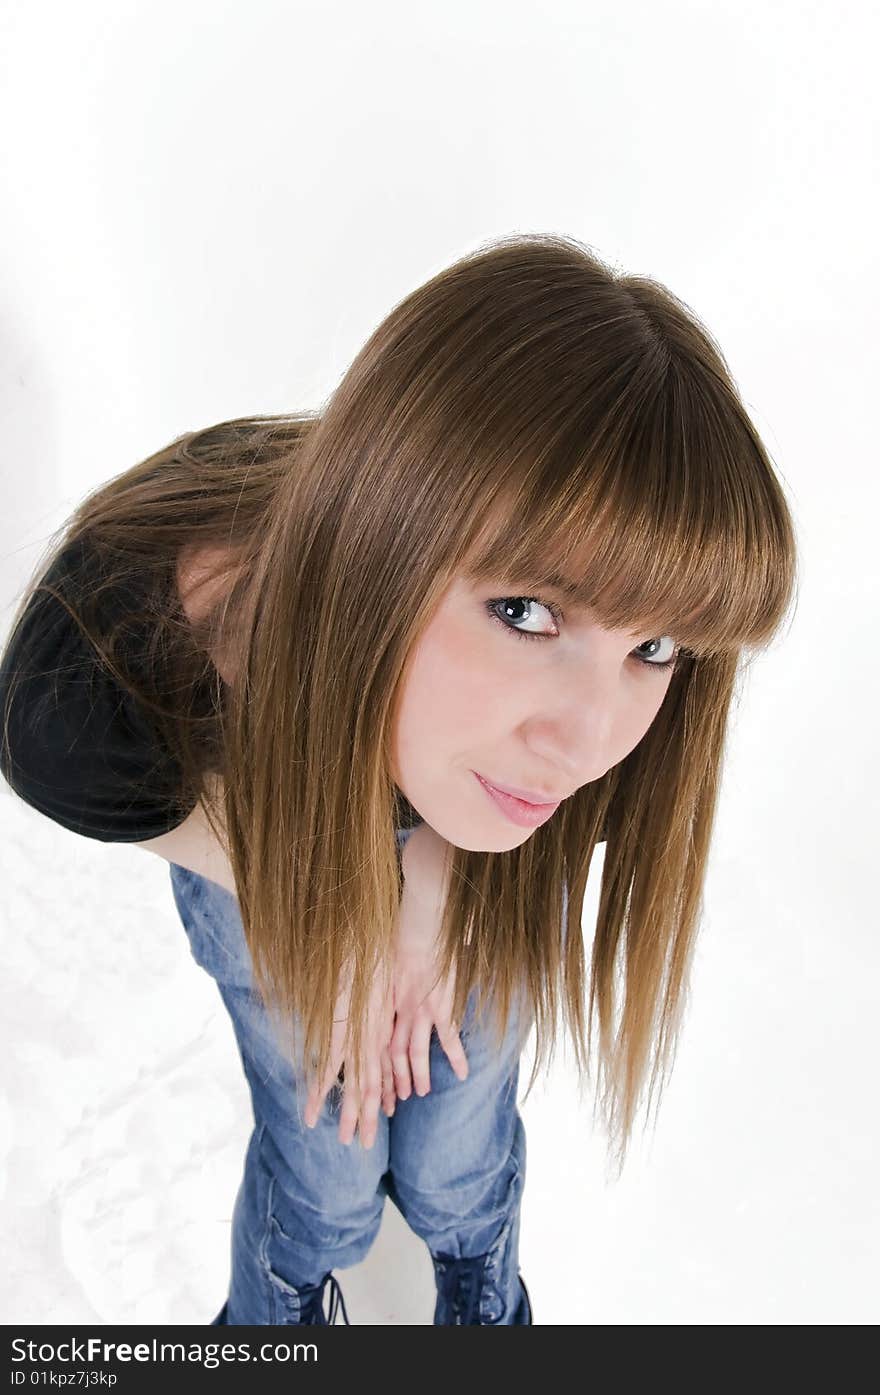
{"x":552,"y":580}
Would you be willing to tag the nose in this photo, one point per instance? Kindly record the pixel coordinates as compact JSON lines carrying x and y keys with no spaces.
{"x":574,"y":736}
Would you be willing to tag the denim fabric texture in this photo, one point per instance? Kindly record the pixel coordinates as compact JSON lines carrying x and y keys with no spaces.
{"x":452,"y":1161}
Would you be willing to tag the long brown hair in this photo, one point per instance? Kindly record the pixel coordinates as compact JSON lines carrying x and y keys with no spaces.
{"x":527,"y":410}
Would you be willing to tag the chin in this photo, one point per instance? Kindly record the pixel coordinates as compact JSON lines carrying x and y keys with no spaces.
{"x":496,"y":845}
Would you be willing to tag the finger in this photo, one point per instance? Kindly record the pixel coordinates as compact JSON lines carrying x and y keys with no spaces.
{"x":419,"y":1050}
{"x":399,"y":1049}
{"x":314,"y":1103}
{"x":371,"y":1096}
{"x":373,"y":1087}
{"x":318,"y":1092}
{"x":451,"y":1043}
{"x":389,"y":1094}
{"x":348,"y":1114}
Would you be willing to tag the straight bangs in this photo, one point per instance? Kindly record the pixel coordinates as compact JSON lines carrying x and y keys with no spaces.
{"x":662,"y":517}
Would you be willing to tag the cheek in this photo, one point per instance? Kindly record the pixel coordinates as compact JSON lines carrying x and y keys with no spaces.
{"x":654,"y":701}
{"x":449,"y":692}
{"x":640,"y":715}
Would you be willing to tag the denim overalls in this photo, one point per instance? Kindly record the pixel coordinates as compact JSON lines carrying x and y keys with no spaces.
{"x":453,"y":1161}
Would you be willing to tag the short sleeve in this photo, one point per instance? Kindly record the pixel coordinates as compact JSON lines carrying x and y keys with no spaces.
{"x":75,"y":744}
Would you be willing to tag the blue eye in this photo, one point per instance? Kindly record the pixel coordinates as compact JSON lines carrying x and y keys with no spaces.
{"x":512,"y":603}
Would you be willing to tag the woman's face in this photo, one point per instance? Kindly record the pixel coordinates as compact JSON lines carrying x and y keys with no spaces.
{"x":543,"y":715}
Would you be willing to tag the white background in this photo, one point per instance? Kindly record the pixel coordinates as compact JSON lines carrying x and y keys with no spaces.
{"x":206,"y":209}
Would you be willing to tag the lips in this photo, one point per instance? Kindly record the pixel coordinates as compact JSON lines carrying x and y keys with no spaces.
{"x":519,"y":811}
{"x":530,"y":797}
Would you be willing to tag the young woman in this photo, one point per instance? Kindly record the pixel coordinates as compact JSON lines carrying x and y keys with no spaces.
{"x":376,"y":681}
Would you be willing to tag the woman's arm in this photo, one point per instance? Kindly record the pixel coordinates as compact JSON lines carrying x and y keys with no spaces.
{"x":417,"y":1003}
{"x":193,"y":845}
{"x":422,"y":1000}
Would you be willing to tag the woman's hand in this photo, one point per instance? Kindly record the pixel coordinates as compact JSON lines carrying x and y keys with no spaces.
{"x":422,"y":1000}
{"x":360,"y":1096}
{"x":397,"y":1052}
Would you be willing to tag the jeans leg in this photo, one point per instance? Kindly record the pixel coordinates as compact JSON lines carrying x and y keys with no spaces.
{"x":457,"y":1163}
{"x":307,"y":1203}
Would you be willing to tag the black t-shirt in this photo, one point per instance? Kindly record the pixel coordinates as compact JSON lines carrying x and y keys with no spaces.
{"x":81,"y":748}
